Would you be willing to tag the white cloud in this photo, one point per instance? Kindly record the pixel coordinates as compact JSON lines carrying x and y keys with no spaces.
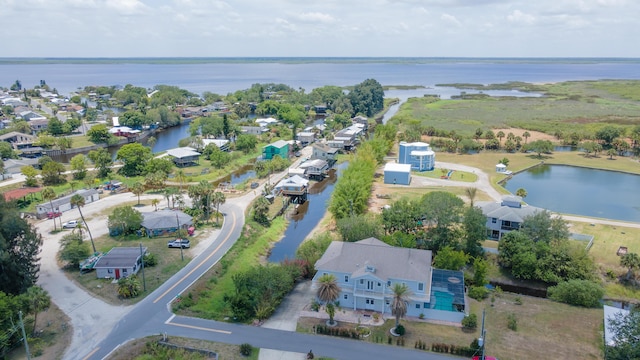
{"x":127,"y":7}
{"x":315,"y":17}
{"x":519,"y":17}
{"x":448,"y":18}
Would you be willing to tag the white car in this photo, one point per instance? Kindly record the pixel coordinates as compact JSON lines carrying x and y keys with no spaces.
{"x":72,"y":224}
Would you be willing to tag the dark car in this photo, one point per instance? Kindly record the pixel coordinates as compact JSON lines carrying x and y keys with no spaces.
{"x":297,"y":153}
{"x":254,"y":185}
{"x":179,"y":243}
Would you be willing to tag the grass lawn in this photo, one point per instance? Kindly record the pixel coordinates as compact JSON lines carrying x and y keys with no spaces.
{"x":455,"y":175}
{"x":169,"y":262}
{"x":208,"y":292}
{"x":543,"y":327}
{"x":80,"y":141}
{"x":138,"y":348}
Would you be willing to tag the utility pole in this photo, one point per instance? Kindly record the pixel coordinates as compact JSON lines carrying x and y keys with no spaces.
{"x":24,"y":336}
{"x":483,"y":334}
{"x":178,"y":231}
{"x":144,"y":282}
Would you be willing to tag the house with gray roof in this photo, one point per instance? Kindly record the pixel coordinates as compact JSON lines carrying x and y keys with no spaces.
{"x":367,"y":270}
{"x":505,"y":216}
{"x":165,"y":222}
{"x":18,"y":140}
{"x":315,"y":168}
{"x":119,"y":262}
{"x":184,"y":156}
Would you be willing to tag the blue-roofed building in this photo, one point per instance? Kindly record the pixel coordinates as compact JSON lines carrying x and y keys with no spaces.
{"x":418,"y":154}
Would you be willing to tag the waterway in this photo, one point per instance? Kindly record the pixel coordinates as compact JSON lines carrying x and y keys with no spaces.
{"x":307,"y":216}
{"x":580,"y":191}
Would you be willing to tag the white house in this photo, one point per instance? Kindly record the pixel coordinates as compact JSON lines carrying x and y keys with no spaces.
{"x":119,"y":262}
{"x":222,"y":144}
{"x":64,"y":203}
{"x":367,"y":270}
{"x":502,"y":169}
{"x":506,"y":215}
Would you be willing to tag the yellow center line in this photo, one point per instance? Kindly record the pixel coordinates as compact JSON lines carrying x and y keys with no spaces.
{"x":201,"y":328}
{"x":201,"y":263}
{"x":91,"y":353}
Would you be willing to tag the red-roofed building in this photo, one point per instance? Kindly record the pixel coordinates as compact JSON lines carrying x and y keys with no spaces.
{"x":19,"y":193}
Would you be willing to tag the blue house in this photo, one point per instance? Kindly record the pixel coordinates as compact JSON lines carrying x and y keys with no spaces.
{"x":418,"y":154}
{"x":366,"y":271}
{"x":278,"y":148}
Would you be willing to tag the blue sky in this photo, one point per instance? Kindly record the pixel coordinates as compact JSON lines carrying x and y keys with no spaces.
{"x":421,"y":28}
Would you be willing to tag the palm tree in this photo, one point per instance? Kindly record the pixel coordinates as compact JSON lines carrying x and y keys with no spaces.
{"x":181,"y":177}
{"x":138,"y":189}
{"x":78,"y":200}
{"x":49,"y":194}
{"x":522,"y":192}
{"x":471,"y":193}
{"x":218,"y":199}
{"x":631,"y":261}
{"x":155,"y":202}
{"x":500,"y":135}
{"x":38,"y":300}
{"x":401,"y":294}
{"x":526,"y":136}
{"x":328,"y":292}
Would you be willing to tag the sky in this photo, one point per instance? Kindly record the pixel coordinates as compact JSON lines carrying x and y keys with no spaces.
{"x":319,"y":28}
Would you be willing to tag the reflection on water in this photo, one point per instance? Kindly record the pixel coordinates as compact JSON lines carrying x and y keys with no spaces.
{"x":307,"y":217}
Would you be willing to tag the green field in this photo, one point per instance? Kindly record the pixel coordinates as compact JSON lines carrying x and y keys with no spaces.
{"x":567,"y":107}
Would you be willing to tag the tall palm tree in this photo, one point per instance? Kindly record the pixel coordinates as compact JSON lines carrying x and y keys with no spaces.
{"x":181,"y":177}
{"x":328,"y":292}
{"x":155,"y":202}
{"x":138,"y":189}
{"x":218,"y":199}
{"x":631,"y":261}
{"x":401,"y":294}
{"x":49,"y":194}
{"x":500,"y":135}
{"x":471,"y":193}
{"x":526,"y":135}
{"x":78,"y":200}
{"x":38,"y":300}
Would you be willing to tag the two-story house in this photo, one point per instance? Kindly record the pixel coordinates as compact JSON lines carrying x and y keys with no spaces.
{"x":418,"y":154}
{"x":324,"y":152}
{"x":278,"y":148}
{"x":306,"y":137}
{"x":367,"y":270}
{"x":347,"y":138}
{"x":506,"y":215}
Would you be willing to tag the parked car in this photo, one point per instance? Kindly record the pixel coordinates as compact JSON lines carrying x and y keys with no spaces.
{"x":71,"y":224}
{"x":179,"y":243}
{"x":53,"y":215}
{"x":297,"y":153}
{"x":254,"y":185}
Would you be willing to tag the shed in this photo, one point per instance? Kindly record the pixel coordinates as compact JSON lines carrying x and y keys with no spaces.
{"x":119,"y":262}
{"x":64,"y":203}
{"x":501,"y":168}
{"x":399,"y":174}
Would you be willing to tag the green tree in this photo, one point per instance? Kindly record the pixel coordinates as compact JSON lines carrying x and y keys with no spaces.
{"x":540,"y":147}
{"x":403,"y":215}
{"x":126,"y":218}
{"x":129,"y":287}
{"x":577,"y":292}
{"x":328,"y":291}
{"x":102,"y":161}
{"x":442,"y":210}
{"x":38,"y":300}
{"x":449,"y":259}
{"x":73,"y":250}
{"x":135,"y":157}
{"x":79,"y":166}
{"x":158,"y":164}
{"x":401,"y":293}
{"x":632,"y":262}
{"x":19,"y":251}
{"x":500,"y":135}
{"x":522,"y":192}
{"x":475,"y":231}
{"x":246,"y":143}
{"x":151,"y":141}
{"x":367,"y":97}
{"x":544,"y":226}
{"x":471,"y":194}
{"x":49,"y":194}
{"x":355,"y":228}
{"x":99,"y":133}
{"x":54,"y":126}
{"x":608,"y":134}
{"x":626,"y":330}
{"x":526,"y":136}
{"x":260,"y":210}
{"x":31,"y":175}
{"x":181,"y":177}
{"x":218,"y":198}
{"x":52,"y":173}
{"x":6,"y":151}
{"x":480,"y":269}
{"x":138,"y":189}
{"x":312,"y":250}
{"x":78,"y":201}
{"x":133,"y":119}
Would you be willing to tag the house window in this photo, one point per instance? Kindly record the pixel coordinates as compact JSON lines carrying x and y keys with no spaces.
{"x":361,"y":281}
{"x":379,"y":284}
{"x":420,"y":287}
{"x":124,"y":271}
{"x":494,"y":220}
{"x":388,"y":282}
{"x":110,"y":271}
{"x":346,"y":296}
{"x":417,"y":306}
{"x":369,"y":301}
{"x":346,"y":278}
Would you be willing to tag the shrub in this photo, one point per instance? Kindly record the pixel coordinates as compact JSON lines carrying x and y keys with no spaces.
{"x":577,"y":292}
{"x":421,"y":317}
{"x":478,"y":293}
{"x":512,"y":322}
{"x":518,"y":300}
{"x":400,"y":330}
{"x":470,"y":321}
{"x":150,"y":260}
{"x":246,"y":349}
